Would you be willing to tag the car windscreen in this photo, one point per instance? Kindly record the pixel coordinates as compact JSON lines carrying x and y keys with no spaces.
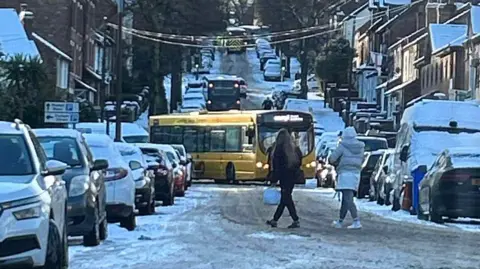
{"x":372,"y":160}
{"x":374,"y":144}
{"x":15,"y":159}
{"x":64,"y":149}
{"x":136,"y":139}
{"x":180,"y":150}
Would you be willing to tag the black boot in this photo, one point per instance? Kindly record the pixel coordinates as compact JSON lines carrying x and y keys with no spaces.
{"x":272,"y":223}
{"x":295,"y":224}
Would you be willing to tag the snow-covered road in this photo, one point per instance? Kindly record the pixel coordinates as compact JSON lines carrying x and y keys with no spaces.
{"x":222,"y":226}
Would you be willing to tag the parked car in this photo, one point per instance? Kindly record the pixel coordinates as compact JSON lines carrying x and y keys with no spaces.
{"x":373,"y":143}
{"x":272,"y":72}
{"x":186,"y":160}
{"x":312,"y":84}
{"x":144,"y":185}
{"x":33,"y":200}
{"x":119,"y":181}
{"x":131,"y":132}
{"x":265,"y":57}
{"x":426,"y":129}
{"x":379,"y":172}
{"x":87,"y":195}
{"x":164,"y":179}
{"x":451,"y":187}
{"x":370,"y":161}
{"x":178,"y":168}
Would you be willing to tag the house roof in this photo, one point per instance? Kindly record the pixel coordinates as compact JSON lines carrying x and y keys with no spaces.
{"x":407,"y":38}
{"x":399,"y":15}
{"x":14,"y":39}
{"x":51,"y":46}
{"x":446,"y":35}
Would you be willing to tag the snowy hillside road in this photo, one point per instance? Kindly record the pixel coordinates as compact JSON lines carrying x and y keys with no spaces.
{"x":221,"y":226}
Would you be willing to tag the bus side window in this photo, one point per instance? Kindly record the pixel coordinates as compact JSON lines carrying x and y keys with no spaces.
{"x":234,"y":141}
{"x":201,"y":139}
{"x":206,"y":139}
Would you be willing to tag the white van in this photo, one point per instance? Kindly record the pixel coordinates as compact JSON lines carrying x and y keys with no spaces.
{"x":426,"y":129}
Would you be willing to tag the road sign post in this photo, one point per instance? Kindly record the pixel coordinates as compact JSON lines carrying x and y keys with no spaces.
{"x":62,"y":112}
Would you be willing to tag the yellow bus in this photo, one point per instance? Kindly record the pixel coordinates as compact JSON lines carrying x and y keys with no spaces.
{"x":231,"y":146}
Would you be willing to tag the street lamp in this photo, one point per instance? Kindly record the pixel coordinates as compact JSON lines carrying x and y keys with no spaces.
{"x":196,"y":71}
{"x":283,"y":72}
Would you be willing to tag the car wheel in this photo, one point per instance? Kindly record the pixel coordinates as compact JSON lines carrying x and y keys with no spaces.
{"x":434,"y":216}
{"x":53,"y":259}
{"x":169,"y":198}
{"x":130,"y":222}
{"x":230,"y":173}
{"x":104,"y":229}
{"x":92,"y":239}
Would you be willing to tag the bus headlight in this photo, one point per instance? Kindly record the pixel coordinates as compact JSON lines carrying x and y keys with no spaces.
{"x":312,"y":164}
{"x":259,"y":165}
{"x":266,"y":166}
{"x":238,"y":102}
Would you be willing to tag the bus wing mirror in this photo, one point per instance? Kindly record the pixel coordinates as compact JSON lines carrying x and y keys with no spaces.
{"x":404,"y":153}
{"x":243,"y":95}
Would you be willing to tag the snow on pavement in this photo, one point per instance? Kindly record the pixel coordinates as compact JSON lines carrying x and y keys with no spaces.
{"x":151,"y":240}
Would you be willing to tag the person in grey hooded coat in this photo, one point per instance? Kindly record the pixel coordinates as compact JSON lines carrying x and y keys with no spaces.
{"x":349,"y":159}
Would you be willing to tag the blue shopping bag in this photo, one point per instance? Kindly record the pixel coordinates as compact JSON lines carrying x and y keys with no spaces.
{"x":271,"y":196}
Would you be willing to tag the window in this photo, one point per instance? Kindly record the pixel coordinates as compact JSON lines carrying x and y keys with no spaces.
{"x":62,"y":149}
{"x":233,"y":139}
{"x":18,"y":161}
{"x":217,"y":140}
{"x":440,"y":71}
{"x":190,"y":139}
{"x":62,"y":74}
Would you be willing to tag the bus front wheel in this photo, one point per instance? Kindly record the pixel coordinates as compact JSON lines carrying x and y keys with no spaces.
{"x":230,"y":172}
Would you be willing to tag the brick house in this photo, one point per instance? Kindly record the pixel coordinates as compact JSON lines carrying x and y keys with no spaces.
{"x":65,"y":32}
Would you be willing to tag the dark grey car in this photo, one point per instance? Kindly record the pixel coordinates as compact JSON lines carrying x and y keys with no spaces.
{"x":85,"y":183}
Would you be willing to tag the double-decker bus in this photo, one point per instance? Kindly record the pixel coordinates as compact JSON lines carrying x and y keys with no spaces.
{"x":232,"y":146}
{"x":224,"y":92}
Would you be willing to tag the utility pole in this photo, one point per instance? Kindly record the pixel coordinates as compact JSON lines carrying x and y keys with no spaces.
{"x":118,"y":103}
{"x":104,"y":70}
{"x":350,"y":74}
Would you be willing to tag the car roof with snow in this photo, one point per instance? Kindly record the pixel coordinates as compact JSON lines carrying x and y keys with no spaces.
{"x":98,"y":139}
{"x":362,"y":137}
{"x":9,"y":128}
{"x":57,"y":132}
{"x":462,"y":150}
{"x":439,"y":113}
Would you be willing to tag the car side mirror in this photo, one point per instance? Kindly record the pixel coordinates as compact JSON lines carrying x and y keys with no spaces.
{"x":183,"y":162}
{"x":189,"y":157}
{"x":404,"y":153}
{"x":153,"y":166}
{"x":385,"y":169}
{"x":54,"y":168}
{"x":134,"y":165}
{"x":174,"y":165}
{"x":100,"y":165}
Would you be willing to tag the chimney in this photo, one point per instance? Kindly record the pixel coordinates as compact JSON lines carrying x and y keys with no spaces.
{"x":447,"y":11}
{"x":26,"y":18}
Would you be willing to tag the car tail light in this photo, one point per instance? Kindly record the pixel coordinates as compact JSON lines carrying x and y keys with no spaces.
{"x":162,"y":171}
{"x":115,"y":174}
{"x":455,"y":176}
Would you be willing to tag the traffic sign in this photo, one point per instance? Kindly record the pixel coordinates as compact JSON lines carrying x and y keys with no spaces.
{"x":62,"y":112}
{"x":62,"y":107}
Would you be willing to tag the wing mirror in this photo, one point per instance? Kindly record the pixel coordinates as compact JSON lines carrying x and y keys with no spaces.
{"x":385,"y":169}
{"x":134,"y":165}
{"x":243,"y":95}
{"x":100,"y":165}
{"x":153,"y":166}
{"x":54,"y":168}
{"x":174,"y":165}
{"x":183,"y":162}
{"x":404,"y":153}
{"x":189,"y":157}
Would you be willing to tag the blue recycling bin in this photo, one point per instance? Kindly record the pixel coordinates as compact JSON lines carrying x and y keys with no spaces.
{"x":417,"y":175}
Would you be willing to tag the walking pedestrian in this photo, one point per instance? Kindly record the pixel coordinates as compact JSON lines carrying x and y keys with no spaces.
{"x":267,"y":104}
{"x":286,"y":167}
{"x":349,"y":158}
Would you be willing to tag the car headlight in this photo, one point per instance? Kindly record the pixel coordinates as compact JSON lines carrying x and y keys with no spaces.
{"x":259,"y":165}
{"x":78,"y":186}
{"x":28,"y":213}
{"x":21,"y":202}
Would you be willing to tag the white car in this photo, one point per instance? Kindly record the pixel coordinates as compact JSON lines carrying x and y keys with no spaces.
{"x":119,"y":181}
{"x":186,"y":160}
{"x":143,"y":175}
{"x":312,"y":84}
{"x":33,"y":200}
{"x":193,"y":97}
{"x":272,"y":72}
{"x":131,"y":132}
